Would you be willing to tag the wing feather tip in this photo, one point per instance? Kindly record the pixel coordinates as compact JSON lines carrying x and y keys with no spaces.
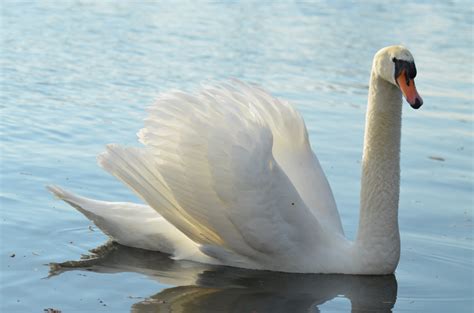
{"x":104,"y":159}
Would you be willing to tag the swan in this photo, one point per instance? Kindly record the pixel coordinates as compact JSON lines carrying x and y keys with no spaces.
{"x":229,"y":178}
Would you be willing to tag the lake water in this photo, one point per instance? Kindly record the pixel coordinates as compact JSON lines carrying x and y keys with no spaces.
{"x":76,"y":75}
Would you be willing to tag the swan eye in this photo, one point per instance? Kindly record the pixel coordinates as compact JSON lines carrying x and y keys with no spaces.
{"x":407,"y":66}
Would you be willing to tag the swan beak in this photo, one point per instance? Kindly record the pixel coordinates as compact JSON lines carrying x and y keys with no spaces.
{"x":407,"y":86}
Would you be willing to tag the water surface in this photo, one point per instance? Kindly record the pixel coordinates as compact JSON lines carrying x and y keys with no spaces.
{"x":77,"y":75}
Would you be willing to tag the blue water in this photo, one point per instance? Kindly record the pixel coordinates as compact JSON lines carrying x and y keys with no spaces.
{"x":76,"y":75}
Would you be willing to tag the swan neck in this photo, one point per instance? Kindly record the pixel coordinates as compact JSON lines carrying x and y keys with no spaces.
{"x":378,"y":236}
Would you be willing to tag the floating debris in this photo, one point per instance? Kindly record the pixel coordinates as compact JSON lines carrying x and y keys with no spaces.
{"x":13,"y":255}
{"x":101,"y":302}
{"x":51,"y":310}
{"x":436,"y":158}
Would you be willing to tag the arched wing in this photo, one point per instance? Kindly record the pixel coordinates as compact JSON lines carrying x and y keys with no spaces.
{"x":292,"y":151}
{"x":209,"y":169}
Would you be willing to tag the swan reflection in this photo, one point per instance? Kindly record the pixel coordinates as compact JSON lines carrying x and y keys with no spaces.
{"x":207,"y":288}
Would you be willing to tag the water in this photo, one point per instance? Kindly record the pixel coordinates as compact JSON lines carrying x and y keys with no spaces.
{"x":78,"y":75}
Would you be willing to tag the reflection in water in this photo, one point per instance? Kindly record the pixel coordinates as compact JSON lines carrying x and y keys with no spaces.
{"x":207,"y":288}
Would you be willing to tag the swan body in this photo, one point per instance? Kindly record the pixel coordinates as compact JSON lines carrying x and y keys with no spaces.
{"x":229,"y":177}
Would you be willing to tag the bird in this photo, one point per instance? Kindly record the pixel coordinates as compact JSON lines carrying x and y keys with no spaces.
{"x":228,"y":177}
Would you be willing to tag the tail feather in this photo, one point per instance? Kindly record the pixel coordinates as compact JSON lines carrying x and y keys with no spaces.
{"x":131,"y":224}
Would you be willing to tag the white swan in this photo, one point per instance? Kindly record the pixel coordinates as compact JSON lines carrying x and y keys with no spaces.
{"x":230,"y":178}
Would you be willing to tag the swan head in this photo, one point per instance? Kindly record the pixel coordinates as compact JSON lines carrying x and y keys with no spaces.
{"x":396,"y":65}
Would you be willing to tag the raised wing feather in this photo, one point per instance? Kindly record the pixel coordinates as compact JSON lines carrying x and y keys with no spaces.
{"x":292,"y":150}
{"x":215,"y":159}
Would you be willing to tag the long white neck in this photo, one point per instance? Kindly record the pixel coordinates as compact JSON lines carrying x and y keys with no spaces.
{"x":378,"y":240}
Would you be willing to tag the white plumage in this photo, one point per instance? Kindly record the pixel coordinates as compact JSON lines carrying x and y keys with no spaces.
{"x":230,"y":178}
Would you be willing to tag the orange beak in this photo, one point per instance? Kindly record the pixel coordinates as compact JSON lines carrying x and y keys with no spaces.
{"x":407,"y":86}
